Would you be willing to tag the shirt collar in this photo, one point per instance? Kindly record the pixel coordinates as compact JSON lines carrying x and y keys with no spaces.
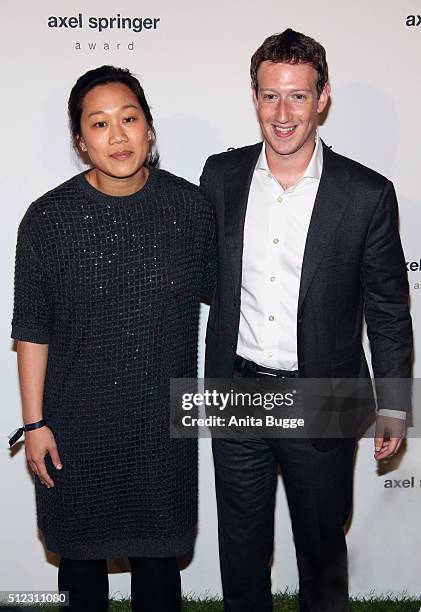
{"x":313,"y":170}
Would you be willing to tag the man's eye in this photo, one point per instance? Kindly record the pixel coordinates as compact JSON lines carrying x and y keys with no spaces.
{"x":269,"y":97}
{"x":300,"y":97}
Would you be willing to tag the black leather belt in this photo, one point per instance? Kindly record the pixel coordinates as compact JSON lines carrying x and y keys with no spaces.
{"x":250,"y":369}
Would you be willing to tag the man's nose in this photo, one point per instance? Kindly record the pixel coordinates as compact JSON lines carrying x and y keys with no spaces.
{"x":283,"y":111}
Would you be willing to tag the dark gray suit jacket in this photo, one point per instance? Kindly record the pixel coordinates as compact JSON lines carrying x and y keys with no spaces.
{"x":353,"y":263}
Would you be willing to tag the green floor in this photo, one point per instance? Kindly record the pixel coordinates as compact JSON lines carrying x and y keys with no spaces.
{"x":289,"y":603}
{"x":282,"y":603}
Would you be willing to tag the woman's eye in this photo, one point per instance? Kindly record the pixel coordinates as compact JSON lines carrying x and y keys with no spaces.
{"x":129,"y":119}
{"x":100,"y":124}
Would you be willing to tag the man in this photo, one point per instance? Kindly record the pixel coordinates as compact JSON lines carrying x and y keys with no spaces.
{"x":308,"y":241}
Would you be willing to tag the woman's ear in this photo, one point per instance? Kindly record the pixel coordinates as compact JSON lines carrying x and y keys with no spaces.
{"x":81,"y":144}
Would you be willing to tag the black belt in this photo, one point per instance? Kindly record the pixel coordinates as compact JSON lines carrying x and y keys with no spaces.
{"x":250,"y":369}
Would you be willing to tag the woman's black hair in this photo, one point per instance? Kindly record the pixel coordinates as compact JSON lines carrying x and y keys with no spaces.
{"x":102,"y":76}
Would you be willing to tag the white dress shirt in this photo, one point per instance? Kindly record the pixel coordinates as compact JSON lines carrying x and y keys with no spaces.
{"x":275,"y":233}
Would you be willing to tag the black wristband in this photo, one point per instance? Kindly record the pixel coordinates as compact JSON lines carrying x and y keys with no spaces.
{"x":18,"y":433}
{"x":36,"y":425}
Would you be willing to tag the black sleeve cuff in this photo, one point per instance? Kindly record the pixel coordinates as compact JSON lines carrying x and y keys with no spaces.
{"x":30,"y":335}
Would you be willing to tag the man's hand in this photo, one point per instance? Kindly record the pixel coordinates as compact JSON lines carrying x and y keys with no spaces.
{"x":389,"y":435}
{"x":38,"y":443}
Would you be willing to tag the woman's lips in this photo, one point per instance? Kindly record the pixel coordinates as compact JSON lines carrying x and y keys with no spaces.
{"x":121,"y":155}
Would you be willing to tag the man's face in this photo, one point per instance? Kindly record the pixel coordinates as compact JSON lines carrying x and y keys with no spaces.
{"x":287,"y":108}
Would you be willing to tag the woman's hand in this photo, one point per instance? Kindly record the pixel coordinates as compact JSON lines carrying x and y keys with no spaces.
{"x":38,"y":443}
{"x":32,"y":363}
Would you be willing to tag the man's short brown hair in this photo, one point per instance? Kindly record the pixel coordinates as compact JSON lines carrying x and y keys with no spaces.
{"x":292,"y":48}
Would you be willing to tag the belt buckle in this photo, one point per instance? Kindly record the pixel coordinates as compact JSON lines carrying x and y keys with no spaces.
{"x":267,"y":374}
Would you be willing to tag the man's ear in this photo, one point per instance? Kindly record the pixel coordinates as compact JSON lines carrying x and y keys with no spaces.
{"x":323,"y":98}
{"x":254,"y":94}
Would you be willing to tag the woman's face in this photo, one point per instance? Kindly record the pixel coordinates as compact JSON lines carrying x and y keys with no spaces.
{"x":114,"y":132}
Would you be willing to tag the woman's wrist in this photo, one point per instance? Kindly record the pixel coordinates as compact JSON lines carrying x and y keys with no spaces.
{"x":34,"y":425}
{"x":18,"y":433}
{"x":32,"y":412}
{"x":34,"y":419}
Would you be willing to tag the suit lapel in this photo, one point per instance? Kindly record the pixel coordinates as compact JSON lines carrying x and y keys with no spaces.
{"x":329,"y":206}
{"x":236,"y":191}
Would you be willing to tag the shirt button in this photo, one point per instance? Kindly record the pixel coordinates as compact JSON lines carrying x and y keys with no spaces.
{"x":270,"y":355}
{"x":271,"y":318}
{"x":280,"y":199}
{"x":272,"y":279}
{"x":275,"y":240}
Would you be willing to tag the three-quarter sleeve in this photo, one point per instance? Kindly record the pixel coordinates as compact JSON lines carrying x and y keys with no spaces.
{"x":33,"y":300}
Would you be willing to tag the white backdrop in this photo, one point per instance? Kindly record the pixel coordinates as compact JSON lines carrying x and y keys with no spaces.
{"x":194,"y":68}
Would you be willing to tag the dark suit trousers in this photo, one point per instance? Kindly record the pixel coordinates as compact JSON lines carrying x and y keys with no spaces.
{"x":318,"y":485}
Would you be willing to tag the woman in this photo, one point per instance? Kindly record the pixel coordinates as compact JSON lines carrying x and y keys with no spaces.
{"x":110,"y":268}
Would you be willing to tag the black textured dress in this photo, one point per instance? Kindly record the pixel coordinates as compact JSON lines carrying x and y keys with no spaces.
{"x":113,"y":285}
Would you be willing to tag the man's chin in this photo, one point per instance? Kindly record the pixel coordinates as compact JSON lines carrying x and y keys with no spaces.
{"x":283,"y":149}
